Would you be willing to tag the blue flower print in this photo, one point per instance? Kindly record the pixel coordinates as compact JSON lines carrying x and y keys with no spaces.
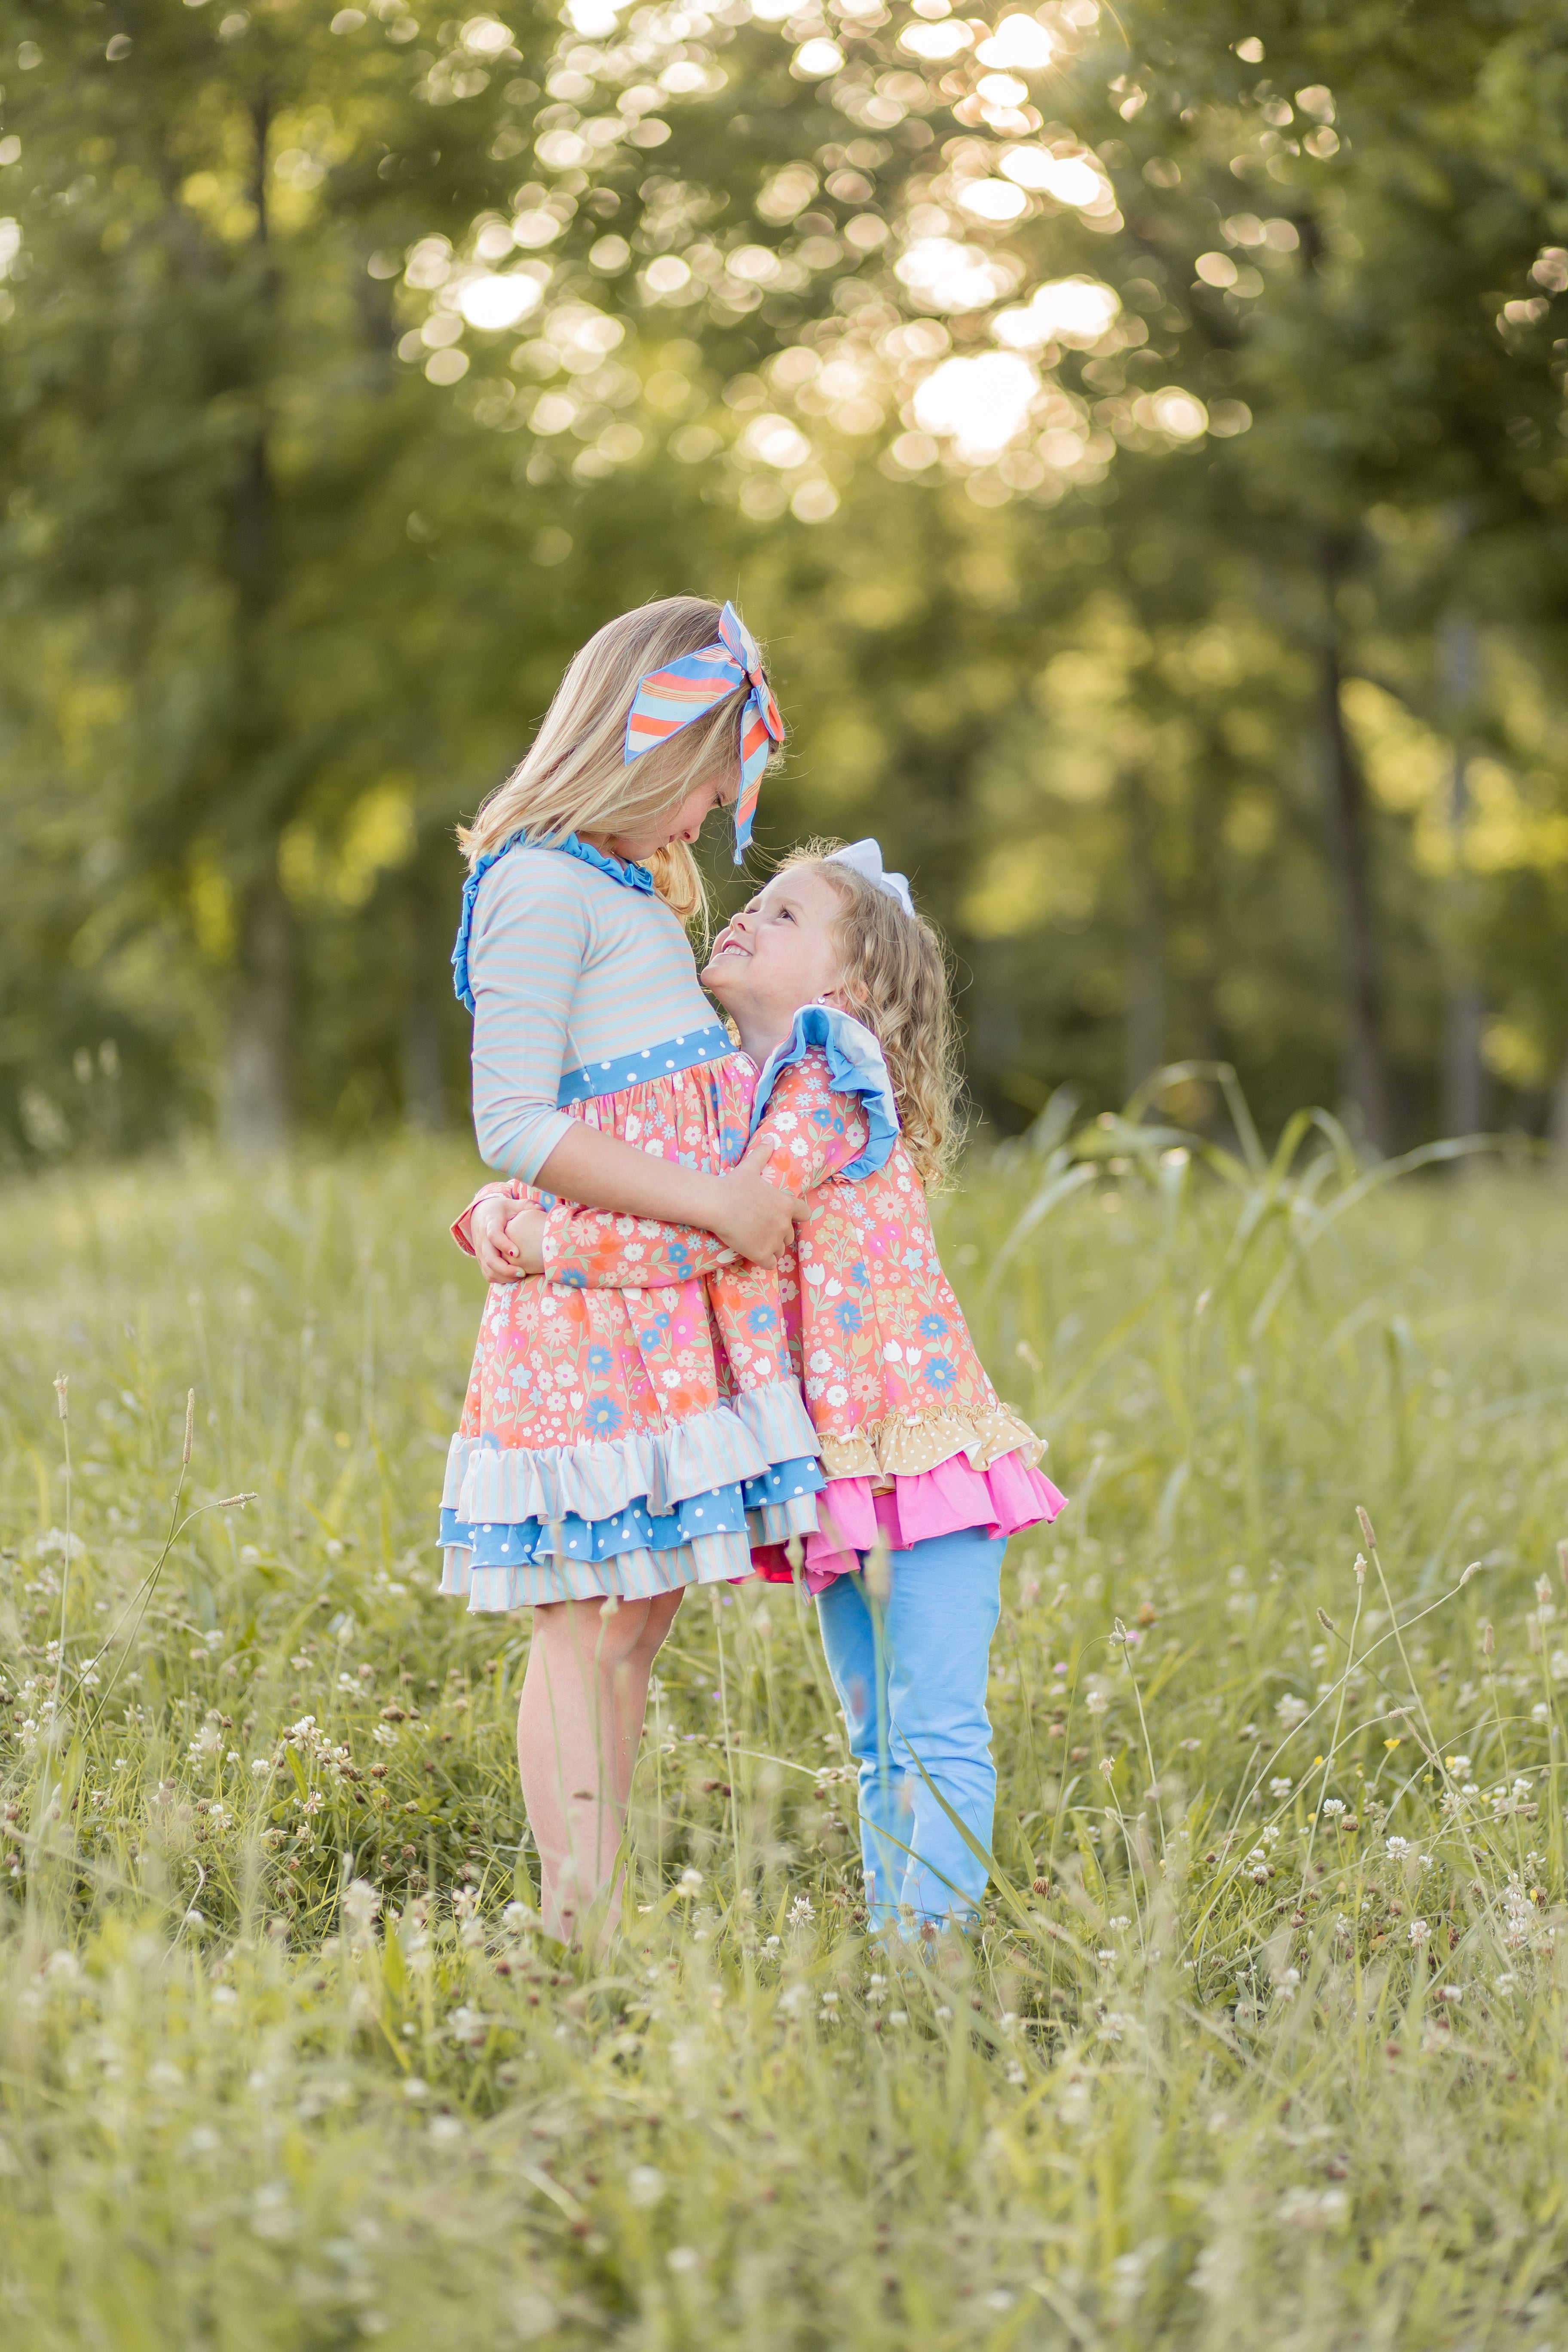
{"x":760,"y":1320}
{"x":603,"y":1416}
{"x":857,"y":1271}
{"x":848,"y":1316}
{"x":941,"y":1373}
{"x":600,"y":1358}
{"x":931,"y":1326}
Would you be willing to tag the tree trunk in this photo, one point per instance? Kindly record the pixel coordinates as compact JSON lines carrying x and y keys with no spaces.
{"x":430,"y":922}
{"x":1464,"y":1070}
{"x":256,"y":1094}
{"x":1464,"y":1006}
{"x":1364,"y":1076}
{"x":256,"y":1112}
{"x":1144,"y":1035}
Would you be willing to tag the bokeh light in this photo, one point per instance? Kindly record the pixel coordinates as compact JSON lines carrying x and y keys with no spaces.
{"x":980,"y":405}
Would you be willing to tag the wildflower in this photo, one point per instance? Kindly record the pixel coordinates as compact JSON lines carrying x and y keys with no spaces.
{"x":1281,"y":1787}
{"x":690,"y":1883}
{"x":1097,"y":1701}
{"x":800,"y":1910}
{"x":1398,"y":1846}
{"x":361,"y":1904}
{"x":1419,"y":1932}
{"x":1290,"y":1710}
{"x":1332,"y":1805}
{"x":1309,"y":2208}
{"x":1459,"y":1764}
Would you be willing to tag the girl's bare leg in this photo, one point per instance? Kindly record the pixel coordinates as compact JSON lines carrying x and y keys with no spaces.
{"x":578,"y":1728}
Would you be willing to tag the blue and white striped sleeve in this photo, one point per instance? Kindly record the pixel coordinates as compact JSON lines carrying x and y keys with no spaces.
{"x":532,"y":929}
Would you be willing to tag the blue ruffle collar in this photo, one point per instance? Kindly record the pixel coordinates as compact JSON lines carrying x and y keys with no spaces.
{"x":621,"y":870}
{"x":855,"y":1065}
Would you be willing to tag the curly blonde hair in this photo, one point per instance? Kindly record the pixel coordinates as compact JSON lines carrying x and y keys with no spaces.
{"x":574,"y":777}
{"x":895,"y":980}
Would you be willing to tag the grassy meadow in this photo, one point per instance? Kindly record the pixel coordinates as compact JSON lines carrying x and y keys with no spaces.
{"x":1261,"y":2038}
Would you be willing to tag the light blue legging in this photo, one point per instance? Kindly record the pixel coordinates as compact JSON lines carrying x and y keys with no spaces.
{"x":910,"y":1673}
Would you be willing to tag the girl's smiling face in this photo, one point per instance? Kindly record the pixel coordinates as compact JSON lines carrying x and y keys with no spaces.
{"x":684,"y":823}
{"x":780,"y":953}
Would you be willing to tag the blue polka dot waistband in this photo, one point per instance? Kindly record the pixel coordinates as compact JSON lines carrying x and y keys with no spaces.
{"x":697,"y":1045}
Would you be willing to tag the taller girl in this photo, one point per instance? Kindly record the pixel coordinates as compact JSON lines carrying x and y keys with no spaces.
{"x":608,"y":1455}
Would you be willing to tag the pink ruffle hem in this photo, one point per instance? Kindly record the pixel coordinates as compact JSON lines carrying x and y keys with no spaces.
{"x":852,"y":1517}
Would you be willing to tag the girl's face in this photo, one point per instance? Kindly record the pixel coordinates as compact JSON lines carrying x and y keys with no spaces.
{"x":781,"y":953}
{"x":686,"y":823}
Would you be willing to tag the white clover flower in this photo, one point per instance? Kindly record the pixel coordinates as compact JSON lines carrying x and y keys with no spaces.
{"x":1419,"y":1932}
{"x":1332,"y":1805}
{"x":1314,"y":2208}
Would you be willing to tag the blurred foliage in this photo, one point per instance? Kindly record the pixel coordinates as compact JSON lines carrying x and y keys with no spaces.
{"x":1136,"y":435}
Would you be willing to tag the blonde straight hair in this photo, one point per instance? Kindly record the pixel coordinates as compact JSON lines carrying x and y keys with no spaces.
{"x":574,"y":777}
{"x":895,"y":980}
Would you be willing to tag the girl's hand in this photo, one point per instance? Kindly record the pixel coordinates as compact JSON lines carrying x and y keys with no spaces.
{"x":495,"y":1252}
{"x":526,"y":1233}
{"x":754,"y":1218}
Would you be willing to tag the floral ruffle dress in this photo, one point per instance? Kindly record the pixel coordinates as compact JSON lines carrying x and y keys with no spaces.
{"x":915,"y":1441}
{"x":610,"y":1443}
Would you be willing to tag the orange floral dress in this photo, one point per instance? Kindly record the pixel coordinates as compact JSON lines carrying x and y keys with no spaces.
{"x":915,"y":1441}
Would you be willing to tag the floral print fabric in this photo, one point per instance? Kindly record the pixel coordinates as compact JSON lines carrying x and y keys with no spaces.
{"x":891,"y":1379}
{"x":583,"y":1404}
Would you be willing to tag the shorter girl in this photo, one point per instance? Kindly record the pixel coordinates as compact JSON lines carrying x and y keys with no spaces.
{"x":839,"y":993}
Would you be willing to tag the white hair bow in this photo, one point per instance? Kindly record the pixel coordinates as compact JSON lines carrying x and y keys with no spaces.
{"x":866,"y":858}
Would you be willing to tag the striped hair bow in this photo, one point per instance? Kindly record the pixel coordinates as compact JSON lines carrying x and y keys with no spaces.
{"x":669,"y":699}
